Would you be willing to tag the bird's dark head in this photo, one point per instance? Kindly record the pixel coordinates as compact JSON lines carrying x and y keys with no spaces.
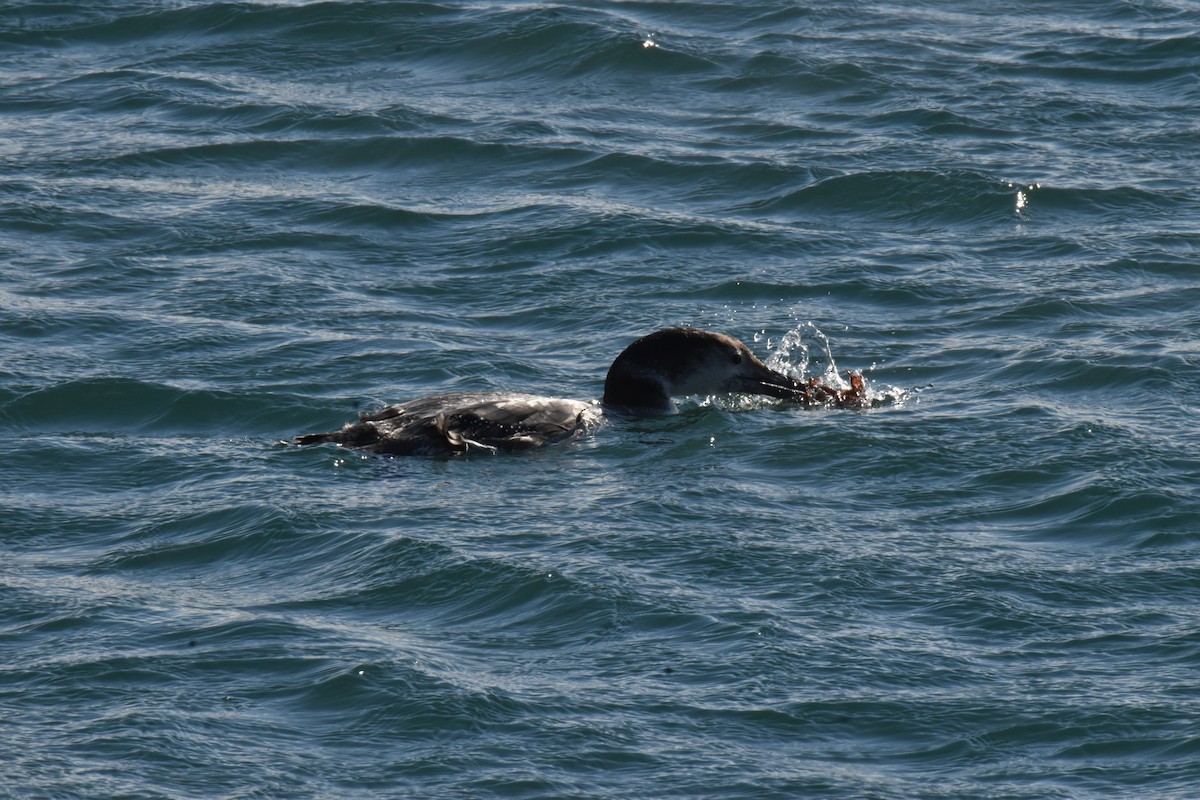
{"x":677,"y":362}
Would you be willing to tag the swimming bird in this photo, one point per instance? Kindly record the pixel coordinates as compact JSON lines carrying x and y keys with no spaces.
{"x":674,"y":362}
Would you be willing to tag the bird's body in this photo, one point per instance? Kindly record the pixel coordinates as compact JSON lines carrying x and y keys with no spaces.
{"x":451,"y":424}
{"x":674,"y":362}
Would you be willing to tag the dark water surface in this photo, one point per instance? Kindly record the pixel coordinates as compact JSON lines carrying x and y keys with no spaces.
{"x":222,"y":224}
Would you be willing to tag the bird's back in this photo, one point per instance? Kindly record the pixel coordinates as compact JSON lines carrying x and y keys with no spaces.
{"x":458,"y":423}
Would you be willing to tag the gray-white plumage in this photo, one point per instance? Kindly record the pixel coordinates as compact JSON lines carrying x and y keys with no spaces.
{"x":457,"y":423}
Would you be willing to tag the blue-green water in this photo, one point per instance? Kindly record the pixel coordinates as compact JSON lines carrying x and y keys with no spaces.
{"x":223,"y":224}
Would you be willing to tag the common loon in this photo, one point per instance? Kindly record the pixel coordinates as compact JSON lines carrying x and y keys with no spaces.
{"x":675,"y":362}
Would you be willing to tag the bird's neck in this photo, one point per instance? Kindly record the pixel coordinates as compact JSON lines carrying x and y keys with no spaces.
{"x":639,"y":394}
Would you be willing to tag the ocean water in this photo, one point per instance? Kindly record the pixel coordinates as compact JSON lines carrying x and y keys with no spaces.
{"x":226,"y":223}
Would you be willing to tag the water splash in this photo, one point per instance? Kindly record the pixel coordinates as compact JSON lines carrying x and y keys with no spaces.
{"x":794,"y":356}
{"x":805,"y":352}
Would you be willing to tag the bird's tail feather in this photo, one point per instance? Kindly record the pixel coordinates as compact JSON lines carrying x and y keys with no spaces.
{"x":356,"y":434}
{"x":314,"y":438}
